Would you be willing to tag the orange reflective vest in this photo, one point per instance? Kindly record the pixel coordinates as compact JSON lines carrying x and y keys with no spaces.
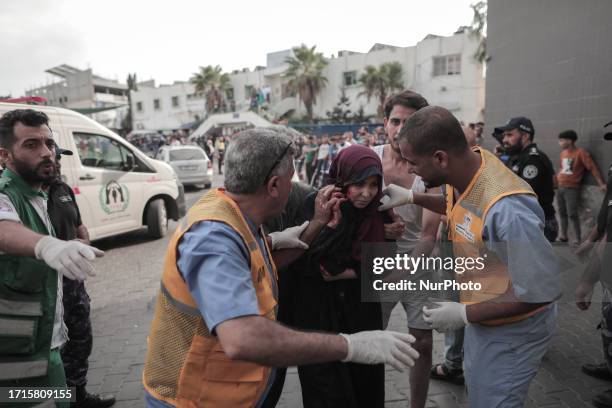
{"x":186,"y":365}
{"x":466,"y":220}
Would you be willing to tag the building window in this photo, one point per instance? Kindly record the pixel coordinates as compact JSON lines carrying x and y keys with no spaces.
{"x":249,"y":91}
{"x":350,"y":78}
{"x":175,"y":101}
{"x":453,"y":64}
{"x":287,"y":91}
{"x":447,"y":65}
{"x":156,"y":104}
{"x":229,"y":93}
{"x":139,"y":106}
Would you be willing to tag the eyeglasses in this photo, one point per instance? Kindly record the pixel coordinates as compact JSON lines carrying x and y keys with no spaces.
{"x":277,"y":162}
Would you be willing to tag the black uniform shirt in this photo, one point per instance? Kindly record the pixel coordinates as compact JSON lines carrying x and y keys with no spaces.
{"x":63,"y":211}
{"x":533,"y":166}
{"x":604,"y":219}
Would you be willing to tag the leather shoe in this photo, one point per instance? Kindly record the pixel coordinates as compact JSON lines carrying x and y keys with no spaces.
{"x":93,"y":401}
{"x":598,"y":371}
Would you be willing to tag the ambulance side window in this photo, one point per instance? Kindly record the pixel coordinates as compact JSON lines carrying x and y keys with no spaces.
{"x":102,"y":152}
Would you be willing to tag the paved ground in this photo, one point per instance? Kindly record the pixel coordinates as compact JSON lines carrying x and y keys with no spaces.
{"x":122,"y":299}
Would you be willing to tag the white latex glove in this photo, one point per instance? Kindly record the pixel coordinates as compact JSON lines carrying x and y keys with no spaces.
{"x":289,"y":238}
{"x":69,"y":258}
{"x":448,"y":316}
{"x":394,"y":196}
{"x":381,"y":347}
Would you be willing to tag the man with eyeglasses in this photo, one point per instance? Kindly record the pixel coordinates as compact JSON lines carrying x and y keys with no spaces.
{"x":214,"y":339}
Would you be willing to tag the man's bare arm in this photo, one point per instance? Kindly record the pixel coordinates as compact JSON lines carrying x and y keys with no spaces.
{"x":429,"y":231}
{"x":505,"y":305}
{"x":433,"y":202}
{"x":277,"y":345}
{"x":17,"y":239}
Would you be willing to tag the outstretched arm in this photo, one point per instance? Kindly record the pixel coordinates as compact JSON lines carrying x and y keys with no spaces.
{"x":262,"y":341}
{"x":17,"y":239}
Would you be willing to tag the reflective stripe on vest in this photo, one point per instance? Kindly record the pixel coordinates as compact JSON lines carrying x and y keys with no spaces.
{"x":16,"y":327}
{"x":23,"y":369}
{"x":20,"y":308}
{"x":180,"y":306}
{"x":47,"y":404}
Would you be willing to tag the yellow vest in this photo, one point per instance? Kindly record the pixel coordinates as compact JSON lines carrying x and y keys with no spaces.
{"x":466,"y":217}
{"x":186,"y":365}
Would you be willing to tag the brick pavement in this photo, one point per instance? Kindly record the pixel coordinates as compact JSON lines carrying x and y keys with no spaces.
{"x":122,"y":301}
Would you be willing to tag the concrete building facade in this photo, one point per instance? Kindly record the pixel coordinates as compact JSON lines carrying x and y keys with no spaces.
{"x":441,"y":68}
{"x":83,"y":90}
{"x":166,"y":107}
{"x":552,"y":62}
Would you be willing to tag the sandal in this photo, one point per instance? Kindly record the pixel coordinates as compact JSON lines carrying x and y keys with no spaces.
{"x":441,"y":372}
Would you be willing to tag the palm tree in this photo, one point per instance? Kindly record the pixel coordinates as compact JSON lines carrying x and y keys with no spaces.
{"x":478,"y":29}
{"x":382,"y":81}
{"x":305,"y":74}
{"x":128,"y":121}
{"x":212,"y":83}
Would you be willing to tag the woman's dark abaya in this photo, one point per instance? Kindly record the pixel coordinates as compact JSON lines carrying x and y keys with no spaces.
{"x":336,"y":306}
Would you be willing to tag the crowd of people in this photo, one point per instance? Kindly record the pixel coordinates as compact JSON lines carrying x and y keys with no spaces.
{"x":267,"y":272}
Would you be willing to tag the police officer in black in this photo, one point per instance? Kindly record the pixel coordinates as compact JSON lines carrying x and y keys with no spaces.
{"x":66,"y":219}
{"x":532,"y":165}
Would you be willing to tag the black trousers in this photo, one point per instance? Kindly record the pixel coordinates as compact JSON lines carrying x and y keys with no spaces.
{"x":76,"y":351}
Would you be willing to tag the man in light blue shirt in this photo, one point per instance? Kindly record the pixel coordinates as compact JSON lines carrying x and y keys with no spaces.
{"x":506,"y":335}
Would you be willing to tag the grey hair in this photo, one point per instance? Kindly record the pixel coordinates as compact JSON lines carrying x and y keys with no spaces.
{"x":250,"y":156}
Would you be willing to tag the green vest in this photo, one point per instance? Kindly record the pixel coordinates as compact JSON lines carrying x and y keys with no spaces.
{"x":28,"y":292}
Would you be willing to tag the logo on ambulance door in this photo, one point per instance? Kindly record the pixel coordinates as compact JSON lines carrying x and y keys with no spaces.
{"x":114,"y":197}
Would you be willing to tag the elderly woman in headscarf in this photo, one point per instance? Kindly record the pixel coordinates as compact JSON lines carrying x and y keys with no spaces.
{"x":329,"y":291}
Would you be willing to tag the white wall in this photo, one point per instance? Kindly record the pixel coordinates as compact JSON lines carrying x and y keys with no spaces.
{"x":167,"y":116}
{"x":463,"y":94}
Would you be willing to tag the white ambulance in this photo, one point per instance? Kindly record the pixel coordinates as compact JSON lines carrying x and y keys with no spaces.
{"x":117,"y":187}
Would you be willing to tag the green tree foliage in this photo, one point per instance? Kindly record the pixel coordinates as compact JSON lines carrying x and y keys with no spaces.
{"x":213,"y":84}
{"x":127,"y":124}
{"x":305,"y":74}
{"x":341,"y":113}
{"x":381,"y":81}
{"x":478,"y":29}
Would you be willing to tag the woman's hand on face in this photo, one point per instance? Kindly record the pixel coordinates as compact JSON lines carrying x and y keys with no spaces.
{"x":348,"y":273}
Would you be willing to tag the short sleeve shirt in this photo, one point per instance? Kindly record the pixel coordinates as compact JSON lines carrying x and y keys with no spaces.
{"x":217,"y":271}
{"x":9,"y":213}
{"x":214,"y":262}
{"x":63,"y":211}
{"x":514,"y":230}
{"x":533,"y":166}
